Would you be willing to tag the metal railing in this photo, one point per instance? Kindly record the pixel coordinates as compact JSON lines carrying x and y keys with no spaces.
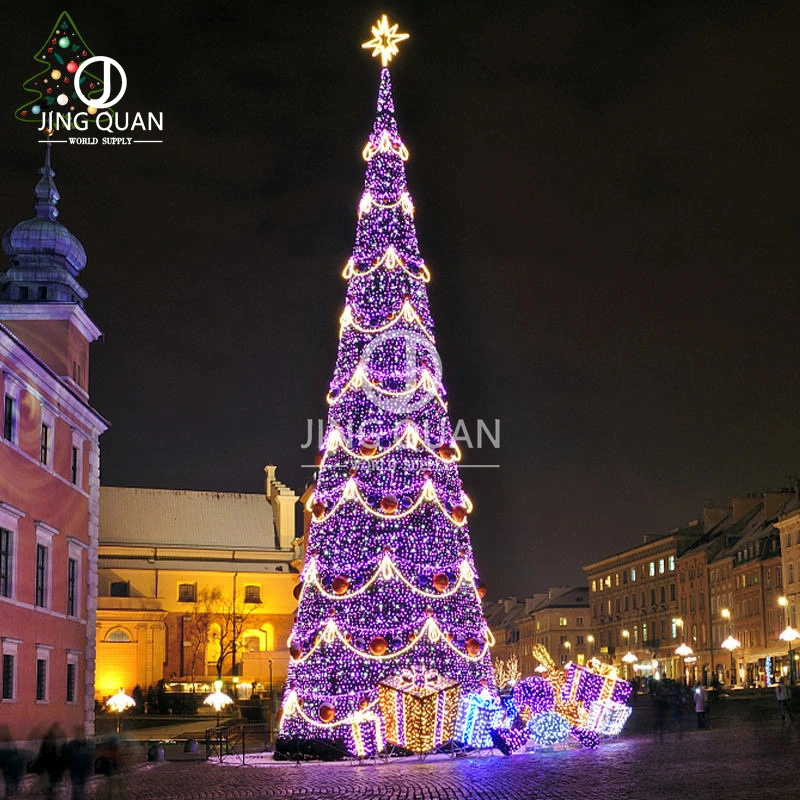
{"x":237,"y":737}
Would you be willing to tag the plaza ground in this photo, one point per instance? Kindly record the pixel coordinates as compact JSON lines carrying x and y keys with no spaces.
{"x":746,"y":754}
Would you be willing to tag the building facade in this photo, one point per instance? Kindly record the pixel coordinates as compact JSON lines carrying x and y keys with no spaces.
{"x":193,"y":585}
{"x":49,"y":479}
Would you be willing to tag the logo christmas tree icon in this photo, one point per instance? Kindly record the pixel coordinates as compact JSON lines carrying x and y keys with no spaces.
{"x":53,"y":88}
{"x":390,"y":636}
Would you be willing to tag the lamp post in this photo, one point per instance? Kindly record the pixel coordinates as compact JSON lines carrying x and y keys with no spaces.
{"x":683,"y":650}
{"x":789,"y":634}
{"x":590,"y":640}
{"x":118,"y":703}
{"x":725,"y":613}
{"x":271,"y":702}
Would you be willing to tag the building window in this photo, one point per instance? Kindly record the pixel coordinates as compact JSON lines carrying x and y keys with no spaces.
{"x":41,"y":575}
{"x":187,"y":592}
{"x":119,"y":589}
{"x":562,"y":621}
{"x":790,"y":574}
{"x":72,"y":586}
{"x":578,"y":622}
{"x":671,"y":562}
{"x":633,"y":574}
{"x":252,"y":594}
{"x":8,"y":676}
{"x":72,"y":672}
{"x":118,"y":635}
{"x":651,"y":569}
{"x":42,"y":293}
{"x":73,"y":466}
{"x":6,"y":562}
{"x":661,"y":566}
{"x":44,"y":449}
{"x":41,"y":679}
{"x":672,"y":592}
{"x":8,"y":418}
{"x":644,"y":631}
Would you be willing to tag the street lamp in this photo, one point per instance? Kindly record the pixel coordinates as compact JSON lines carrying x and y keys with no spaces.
{"x":731,"y":644}
{"x":118,"y":703}
{"x":684,"y":650}
{"x":789,"y":634}
{"x":628,"y":659}
{"x":590,"y":640}
{"x":218,"y":699}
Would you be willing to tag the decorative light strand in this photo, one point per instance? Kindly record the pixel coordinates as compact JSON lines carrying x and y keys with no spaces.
{"x":359,"y":377}
{"x":388,"y":570}
{"x":406,"y":314}
{"x":390,"y":260}
{"x":410,"y":438}
{"x":351,"y":493}
{"x":430,"y":630}
{"x":368,"y":202}
{"x":384,"y":145}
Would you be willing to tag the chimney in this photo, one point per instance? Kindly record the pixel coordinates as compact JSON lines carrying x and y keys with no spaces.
{"x":713,"y":515}
{"x":773,"y":502}
{"x":510,"y":602}
{"x":743,"y":506}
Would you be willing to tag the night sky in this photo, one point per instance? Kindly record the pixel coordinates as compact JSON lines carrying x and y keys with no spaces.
{"x":606,"y":198}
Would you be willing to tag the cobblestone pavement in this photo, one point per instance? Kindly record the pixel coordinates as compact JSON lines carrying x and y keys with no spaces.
{"x":744,"y":757}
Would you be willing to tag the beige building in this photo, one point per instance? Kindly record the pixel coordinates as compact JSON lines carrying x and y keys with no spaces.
{"x":634,"y":603}
{"x":195,"y":582}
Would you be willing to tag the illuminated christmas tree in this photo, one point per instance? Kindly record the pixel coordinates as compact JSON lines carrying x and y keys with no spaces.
{"x":54,"y":86}
{"x":389,"y":590}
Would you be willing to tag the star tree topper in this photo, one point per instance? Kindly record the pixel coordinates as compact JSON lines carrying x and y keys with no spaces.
{"x":384,"y":40}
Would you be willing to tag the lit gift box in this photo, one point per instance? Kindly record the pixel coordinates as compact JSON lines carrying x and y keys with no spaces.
{"x":365,"y":734}
{"x":419,"y":709}
{"x":607,"y":717}
{"x":595,"y":681}
{"x":476,"y":715}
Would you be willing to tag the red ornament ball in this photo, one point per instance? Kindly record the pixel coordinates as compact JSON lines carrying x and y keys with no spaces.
{"x":327,"y":712}
{"x":72,"y":67}
{"x":378,"y":645}
{"x":481,"y":589}
{"x":440,"y":582}
{"x":295,"y":652}
{"x":318,"y":459}
{"x":318,"y":509}
{"x":446,"y":452}
{"x":459,"y":513}
{"x":389,"y":504}
{"x":298,"y":588}
{"x":473,"y":646}
{"x":340,"y":585}
{"x":368,"y":448}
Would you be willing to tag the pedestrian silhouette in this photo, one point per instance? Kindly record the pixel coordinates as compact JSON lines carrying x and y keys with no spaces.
{"x":79,"y":758}
{"x":50,"y":761}
{"x":783,"y":694}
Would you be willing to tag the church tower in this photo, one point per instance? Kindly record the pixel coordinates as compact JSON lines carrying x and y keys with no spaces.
{"x":40,"y":298}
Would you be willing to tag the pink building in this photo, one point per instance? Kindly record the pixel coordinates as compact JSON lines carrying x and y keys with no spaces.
{"x":49,"y":479}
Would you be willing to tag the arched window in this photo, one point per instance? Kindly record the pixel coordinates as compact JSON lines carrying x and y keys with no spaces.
{"x":118,"y":635}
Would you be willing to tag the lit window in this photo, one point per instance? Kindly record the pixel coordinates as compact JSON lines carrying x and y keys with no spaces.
{"x":594,"y":586}
{"x":633,"y":574}
{"x":652,"y":568}
{"x":672,"y":563}
{"x":562,"y":621}
{"x":118,"y":635}
{"x":661,"y":566}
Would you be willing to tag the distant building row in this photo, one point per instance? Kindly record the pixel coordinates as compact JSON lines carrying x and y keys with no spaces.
{"x":715,"y":601}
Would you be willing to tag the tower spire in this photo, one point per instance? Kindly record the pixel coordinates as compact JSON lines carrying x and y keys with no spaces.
{"x":47,"y":195}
